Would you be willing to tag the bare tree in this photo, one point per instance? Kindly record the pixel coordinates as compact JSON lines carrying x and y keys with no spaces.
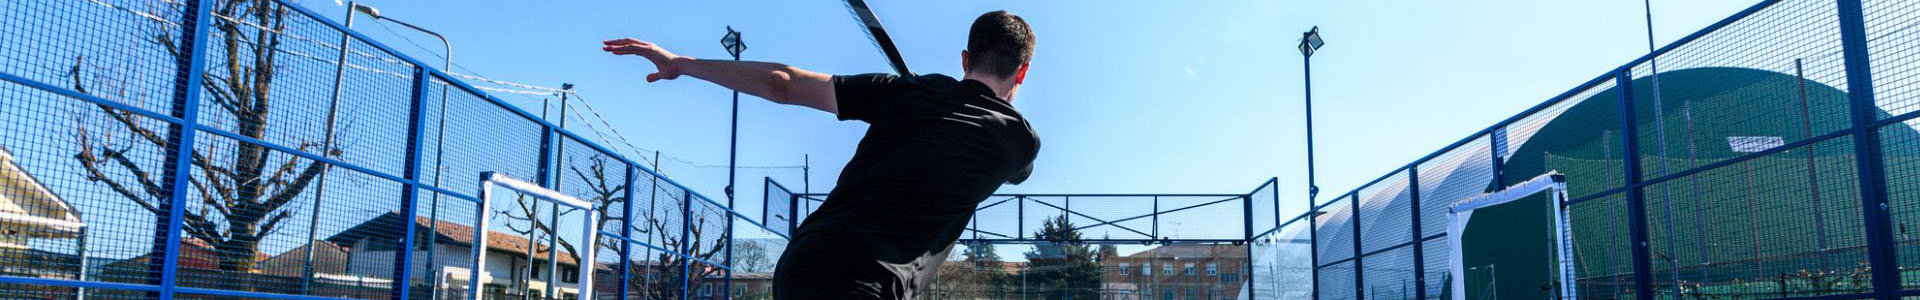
{"x":241,"y":193}
{"x":603,"y":191}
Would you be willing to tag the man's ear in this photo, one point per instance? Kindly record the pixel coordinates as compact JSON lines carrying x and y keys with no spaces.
{"x":1020,"y":76}
{"x":963,"y":61}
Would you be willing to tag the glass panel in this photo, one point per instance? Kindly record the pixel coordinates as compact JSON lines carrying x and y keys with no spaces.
{"x":1283,"y":263}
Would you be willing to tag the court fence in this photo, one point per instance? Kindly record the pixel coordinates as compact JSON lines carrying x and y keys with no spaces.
{"x":1772,"y":155}
{"x":250,"y":149}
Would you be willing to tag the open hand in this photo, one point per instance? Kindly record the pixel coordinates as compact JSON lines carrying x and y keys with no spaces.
{"x":667,"y":62}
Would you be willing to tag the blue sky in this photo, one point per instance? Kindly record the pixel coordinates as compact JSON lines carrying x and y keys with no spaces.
{"x":1128,"y":96}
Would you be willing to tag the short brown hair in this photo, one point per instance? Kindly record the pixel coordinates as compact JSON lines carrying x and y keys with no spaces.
{"x":999,"y":43}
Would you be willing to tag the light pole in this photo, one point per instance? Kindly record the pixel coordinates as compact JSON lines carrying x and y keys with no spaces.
{"x":1310,"y":42}
{"x":734,"y":46}
{"x":439,"y":153}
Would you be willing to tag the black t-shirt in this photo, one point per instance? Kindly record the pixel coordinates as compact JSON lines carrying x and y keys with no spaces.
{"x":935,"y":149}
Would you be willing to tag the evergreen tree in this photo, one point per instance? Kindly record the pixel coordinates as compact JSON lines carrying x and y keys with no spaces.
{"x":1062,"y":268}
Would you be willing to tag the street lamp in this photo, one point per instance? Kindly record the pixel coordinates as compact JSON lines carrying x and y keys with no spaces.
{"x":1309,"y":42}
{"x":734,"y":46}
{"x":339,"y":73}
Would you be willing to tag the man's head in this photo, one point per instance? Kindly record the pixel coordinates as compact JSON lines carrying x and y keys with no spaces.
{"x":998,"y":48}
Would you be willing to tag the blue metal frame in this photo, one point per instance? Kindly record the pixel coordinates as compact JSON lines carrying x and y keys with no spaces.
{"x":411,"y":195}
{"x":186,"y":105}
{"x":1636,"y":199}
{"x":1866,"y":147}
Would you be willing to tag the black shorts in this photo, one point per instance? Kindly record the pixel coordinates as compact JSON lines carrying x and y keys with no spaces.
{"x":831,"y":266}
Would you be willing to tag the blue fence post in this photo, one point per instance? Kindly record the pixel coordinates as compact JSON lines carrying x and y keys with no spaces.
{"x":686,"y":245}
{"x":403,"y":264}
{"x":1866,"y":147}
{"x":1636,"y":200}
{"x":1419,"y":241}
{"x":179,"y":162}
{"x":626,"y":230}
{"x":1359,"y":277}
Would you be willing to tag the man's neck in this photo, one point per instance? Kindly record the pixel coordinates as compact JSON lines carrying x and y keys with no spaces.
{"x":1002,"y":88}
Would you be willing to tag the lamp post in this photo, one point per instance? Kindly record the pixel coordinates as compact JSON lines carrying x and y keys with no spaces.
{"x":1310,"y":42}
{"x":734,"y":46}
{"x":440,"y":136}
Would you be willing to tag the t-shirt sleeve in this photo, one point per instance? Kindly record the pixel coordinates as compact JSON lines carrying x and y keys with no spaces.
{"x":866,"y":97}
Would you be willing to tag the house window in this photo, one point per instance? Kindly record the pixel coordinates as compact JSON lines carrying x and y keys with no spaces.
{"x":1229,"y":277}
{"x":1167,"y":295}
{"x":1190,"y":293}
{"x":569,"y":274}
{"x":1213,"y":269}
{"x":1125,"y":269}
{"x":1167,"y":268}
{"x":1189,"y":272}
{"x":1146,"y":269}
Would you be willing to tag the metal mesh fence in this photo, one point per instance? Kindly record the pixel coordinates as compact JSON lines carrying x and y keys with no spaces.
{"x":1733,"y":164}
{"x":291,"y":159}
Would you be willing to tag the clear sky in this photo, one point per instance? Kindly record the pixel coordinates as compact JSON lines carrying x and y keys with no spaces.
{"x":1128,"y":96}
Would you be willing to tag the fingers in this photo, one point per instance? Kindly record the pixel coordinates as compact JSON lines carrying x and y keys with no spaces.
{"x":625,"y":41}
{"x":628,"y":49}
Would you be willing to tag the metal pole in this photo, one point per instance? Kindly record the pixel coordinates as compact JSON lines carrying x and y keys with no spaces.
{"x":179,"y":161}
{"x":1313,"y":190}
{"x":326,"y":148}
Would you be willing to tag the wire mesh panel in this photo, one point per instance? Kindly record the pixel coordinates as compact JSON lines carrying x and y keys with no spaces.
{"x":1336,"y":282}
{"x":1893,"y":30}
{"x":1389,"y":275}
{"x":607,"y":272}
{"x":261,"y":220}
{"x":658,"y":211}
{"x":480,"y":136}
{"x":267,"y":79}
{"x":1333,"y":232}
{"x":707,"y":233}
{"x":1753,"y":230}
{"x":1579,"y":137}
{"x":1386,"y":214}
{"x":1602,"y":248}
{"x":1283,"y":263}
{"x":756,"y":251}
{"x":1113,"y":217}
{"x":76,"y":179}
{"x":443,"y":235}
{"x":1039,"y":212}
{"x":1455,"y":175}
{"x":1771,"y":78}
{"x":1433,"y":257}
{"x":596,"y":177}
{"x":996,"y":218}
{"x":1265,"y":214}
{"x":1901,"y":146}
{"x":1202,"y":217}
{"x":128,"y":55}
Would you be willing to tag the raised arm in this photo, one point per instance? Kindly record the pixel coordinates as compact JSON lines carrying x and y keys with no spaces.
{"x":776,"y":82}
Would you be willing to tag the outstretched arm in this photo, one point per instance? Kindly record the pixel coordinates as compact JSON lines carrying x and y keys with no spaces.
{"x":776,"y":82}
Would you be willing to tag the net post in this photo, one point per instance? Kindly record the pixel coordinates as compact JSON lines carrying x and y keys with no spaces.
{"x":1636,"y":198}
{"x":686,"y":244}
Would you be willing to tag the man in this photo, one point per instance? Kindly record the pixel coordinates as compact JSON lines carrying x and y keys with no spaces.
{"x":935,"y":148}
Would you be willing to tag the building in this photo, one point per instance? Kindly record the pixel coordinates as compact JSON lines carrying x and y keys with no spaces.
{"x":1176,"y":272}
{"x":514,"y":264}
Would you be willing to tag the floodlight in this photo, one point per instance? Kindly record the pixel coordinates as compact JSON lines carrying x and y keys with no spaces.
{"x":1310,"y":41}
